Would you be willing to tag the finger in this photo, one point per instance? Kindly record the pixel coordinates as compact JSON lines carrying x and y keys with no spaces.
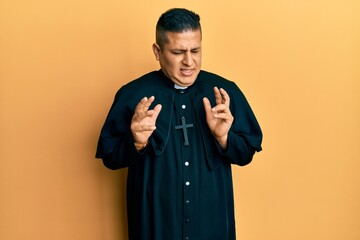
{"x":154,"y":113}
{"x":140,"y":127}
{"x":225,"y":97}
{"x":218,"y":97}
{"x":140,"y":105}
{"x":220,"y":108}
{"x":144,"y":104}
{"x":145,"y":128}
{"x":223,"y":116}
{"x":158,"y":108}
{"x":207,"y":105}
{"x":148,"y":103}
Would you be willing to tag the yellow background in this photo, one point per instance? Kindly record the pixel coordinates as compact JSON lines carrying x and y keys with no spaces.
{"x":297,"y":61}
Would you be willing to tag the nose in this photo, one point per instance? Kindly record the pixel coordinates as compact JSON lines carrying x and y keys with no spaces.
{"x":187,"y":60}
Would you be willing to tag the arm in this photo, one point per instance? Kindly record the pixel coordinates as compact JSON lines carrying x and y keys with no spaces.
{"x":126,"y":133}
{"x":234,"y":128}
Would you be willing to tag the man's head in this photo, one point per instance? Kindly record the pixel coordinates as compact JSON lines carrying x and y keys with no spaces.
{"x":176,"y":20}
{"x":178,"y":45}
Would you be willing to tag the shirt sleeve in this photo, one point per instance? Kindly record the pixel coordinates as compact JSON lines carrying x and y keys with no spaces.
{"x":245,"y":135}
{"x":116,"y":145}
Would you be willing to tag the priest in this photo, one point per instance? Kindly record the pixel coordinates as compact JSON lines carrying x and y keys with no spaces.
{"x":178,"y":130}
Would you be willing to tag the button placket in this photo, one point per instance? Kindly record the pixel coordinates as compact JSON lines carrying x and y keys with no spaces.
{"x":188,"y":211}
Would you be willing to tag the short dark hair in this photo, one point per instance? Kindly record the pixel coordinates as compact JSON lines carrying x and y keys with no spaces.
{"x":176,"y":20}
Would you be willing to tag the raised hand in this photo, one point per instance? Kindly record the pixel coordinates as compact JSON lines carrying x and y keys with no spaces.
{"x":219,"y":118}
{"x":143,"y":121}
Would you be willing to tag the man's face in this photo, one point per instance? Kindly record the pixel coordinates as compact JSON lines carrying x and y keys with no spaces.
{"x":180,"y":57}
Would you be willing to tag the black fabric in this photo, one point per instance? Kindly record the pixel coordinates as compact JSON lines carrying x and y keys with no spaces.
{"x":176,"y":191}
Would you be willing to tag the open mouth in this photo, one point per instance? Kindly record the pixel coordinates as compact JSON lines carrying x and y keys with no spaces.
{"x":187,"y":72}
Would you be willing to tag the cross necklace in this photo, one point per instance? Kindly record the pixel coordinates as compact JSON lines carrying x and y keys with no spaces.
{"x":184,"y":127}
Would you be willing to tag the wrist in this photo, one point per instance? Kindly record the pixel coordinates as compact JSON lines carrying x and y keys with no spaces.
{"x":222,"y":141}
{"x":141,"y":146}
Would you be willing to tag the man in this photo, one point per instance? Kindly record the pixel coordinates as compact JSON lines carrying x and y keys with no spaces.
{"x":178,"y":130}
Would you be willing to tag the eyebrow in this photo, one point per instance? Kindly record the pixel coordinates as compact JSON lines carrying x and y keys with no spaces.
{"x":184,"y":50}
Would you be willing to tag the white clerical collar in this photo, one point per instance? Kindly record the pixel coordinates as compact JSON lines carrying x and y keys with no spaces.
{"x":179,"y":87}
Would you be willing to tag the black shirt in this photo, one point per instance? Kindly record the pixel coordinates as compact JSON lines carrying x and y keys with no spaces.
{"x":179,"y":188}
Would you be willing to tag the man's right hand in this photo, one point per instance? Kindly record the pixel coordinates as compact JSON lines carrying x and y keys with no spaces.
{"x":143,"y":121}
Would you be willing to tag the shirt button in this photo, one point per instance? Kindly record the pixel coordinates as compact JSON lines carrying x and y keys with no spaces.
{"x":187,"y":183}
{"x":187,"y":201}
{"x":187,"y":220}
{"x":186,"y":163}
{"x":183,"y":106}
{"x":187,"y":238}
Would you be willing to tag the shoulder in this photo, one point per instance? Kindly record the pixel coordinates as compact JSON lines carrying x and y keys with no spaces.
{"x":211,"y":80}
{"x":143,"y":86}
{"x":147,"y":80}
{"x":211,"y":76}
{"x":150,"y":84}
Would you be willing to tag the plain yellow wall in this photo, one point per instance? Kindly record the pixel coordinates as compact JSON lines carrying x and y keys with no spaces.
{"x":298,"y":62}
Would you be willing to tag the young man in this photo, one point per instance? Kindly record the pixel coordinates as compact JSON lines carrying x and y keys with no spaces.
{"x":178,"y":130}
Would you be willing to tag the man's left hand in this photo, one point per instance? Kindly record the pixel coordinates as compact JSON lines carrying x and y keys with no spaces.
{"x":219,"y":118}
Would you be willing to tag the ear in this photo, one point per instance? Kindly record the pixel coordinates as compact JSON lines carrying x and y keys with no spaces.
{"x":156,"y":49}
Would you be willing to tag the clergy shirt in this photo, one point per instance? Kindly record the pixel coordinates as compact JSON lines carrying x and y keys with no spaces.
{"x":177,"y":191}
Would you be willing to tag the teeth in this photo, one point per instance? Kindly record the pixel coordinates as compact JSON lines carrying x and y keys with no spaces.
{"x":187,"y":71}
